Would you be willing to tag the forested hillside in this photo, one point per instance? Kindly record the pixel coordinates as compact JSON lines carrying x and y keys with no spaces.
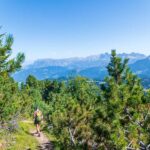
{"x":114,"y":115}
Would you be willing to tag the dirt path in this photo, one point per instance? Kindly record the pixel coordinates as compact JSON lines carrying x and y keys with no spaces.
{"x":44,"y":143}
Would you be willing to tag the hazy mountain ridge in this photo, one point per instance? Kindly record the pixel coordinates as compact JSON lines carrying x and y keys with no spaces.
{"x":93,"y":67}
{"x":85,"y":62}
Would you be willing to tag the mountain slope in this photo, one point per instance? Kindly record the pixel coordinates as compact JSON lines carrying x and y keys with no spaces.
{"x":52,"y":72}
{"x":92,"y":67}
{"x":94,"y":73}
{"x":142,"y":67}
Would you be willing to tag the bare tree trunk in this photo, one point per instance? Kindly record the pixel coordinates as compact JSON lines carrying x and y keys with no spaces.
{"x":71,"y":137}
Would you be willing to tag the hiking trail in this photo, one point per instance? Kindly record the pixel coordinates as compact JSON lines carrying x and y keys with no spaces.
{"x":44,"y":143}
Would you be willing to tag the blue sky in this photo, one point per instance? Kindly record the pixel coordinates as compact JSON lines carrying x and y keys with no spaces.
{"x":68,"y":28}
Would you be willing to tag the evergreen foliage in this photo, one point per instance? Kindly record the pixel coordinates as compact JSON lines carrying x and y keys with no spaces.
{"x":7,"y":65}
{"x":10,"y":97}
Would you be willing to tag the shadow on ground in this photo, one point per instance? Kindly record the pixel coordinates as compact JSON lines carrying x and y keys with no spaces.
{"x":45,"y":146}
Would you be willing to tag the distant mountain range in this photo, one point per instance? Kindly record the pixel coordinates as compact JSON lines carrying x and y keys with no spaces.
{"x":93,"y":67}
{"x":83,"y":63}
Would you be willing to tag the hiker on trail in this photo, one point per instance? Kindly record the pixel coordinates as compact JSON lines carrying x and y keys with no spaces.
{"x":37,"y":120}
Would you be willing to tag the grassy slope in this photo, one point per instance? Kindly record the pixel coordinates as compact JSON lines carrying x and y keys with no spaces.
{"x":23,"y":139}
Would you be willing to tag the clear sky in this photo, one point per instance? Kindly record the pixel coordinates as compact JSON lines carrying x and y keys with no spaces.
{"x":68,"y":28}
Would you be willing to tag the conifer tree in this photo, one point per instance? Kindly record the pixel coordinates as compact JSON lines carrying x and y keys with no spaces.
{"x":8,"y":65}
{"x":10,"y":97}
{"x":120,"y":112}
{"x":72,"y":114}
